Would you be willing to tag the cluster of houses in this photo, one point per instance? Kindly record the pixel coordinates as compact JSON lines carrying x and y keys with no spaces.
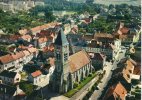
{"x":125,"y":78}
{"x":51,"y":55}
{"x":19,"y":5}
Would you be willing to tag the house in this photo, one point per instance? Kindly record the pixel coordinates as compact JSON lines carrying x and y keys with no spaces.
{"x":68,"y":68}
{"x":125,"y":34}
{"x":43,"y":27}
{"x":36,"y":77}
{"x":18,"y":59}
{"x":98,"y":60}
{"x":116,"y":92}
{"x":9,"y":77}
{"x":26,"y":37}
{"x":47,"y":52}
{"x":124,"y":73}
{"x":33,"y":51}
{"x":98,"y":43}
{"x":8,"y":92}
{"x":7,"y":62}
{"x":67,"y":28}
{"x":28,"y":57}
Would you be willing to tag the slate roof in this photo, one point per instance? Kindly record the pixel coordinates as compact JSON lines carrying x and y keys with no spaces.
{"x":61,"y":39}
{"x":7,"y":89}
{"x":9,"y":74}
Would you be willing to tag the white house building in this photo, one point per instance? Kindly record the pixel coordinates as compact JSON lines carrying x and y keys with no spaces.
{"x":36,"y":77}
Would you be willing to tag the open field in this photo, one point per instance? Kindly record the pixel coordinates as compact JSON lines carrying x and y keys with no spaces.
{"x":108,"y":2}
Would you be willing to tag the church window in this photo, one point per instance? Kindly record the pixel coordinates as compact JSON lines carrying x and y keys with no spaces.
{"x":65,"y":57}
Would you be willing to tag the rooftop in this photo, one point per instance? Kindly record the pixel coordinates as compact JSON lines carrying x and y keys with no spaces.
{"x":8,"y":74}
{"x":78,"y":60}
{"x":117,"y":91}
{"x":36,"y":73}
{"x":6,"y":59}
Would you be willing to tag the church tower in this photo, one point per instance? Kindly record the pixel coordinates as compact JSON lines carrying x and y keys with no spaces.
{"x":61,"y":73}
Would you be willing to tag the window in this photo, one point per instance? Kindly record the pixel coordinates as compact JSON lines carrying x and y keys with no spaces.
{"x":58,"y":56}
{"x":17,"y":79}
{"x":65,"y":57}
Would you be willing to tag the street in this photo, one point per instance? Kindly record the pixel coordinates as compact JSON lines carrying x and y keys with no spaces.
{"x":107,"y":77}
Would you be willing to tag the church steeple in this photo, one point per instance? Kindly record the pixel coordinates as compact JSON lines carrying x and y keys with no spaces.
{"x":61,"y":39}
{"x":61,"y":53}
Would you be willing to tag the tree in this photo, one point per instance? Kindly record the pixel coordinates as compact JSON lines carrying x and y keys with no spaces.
{"x":28,"y":88}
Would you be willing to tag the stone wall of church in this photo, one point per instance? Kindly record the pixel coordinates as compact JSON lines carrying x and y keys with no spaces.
{"x":80,"y":74}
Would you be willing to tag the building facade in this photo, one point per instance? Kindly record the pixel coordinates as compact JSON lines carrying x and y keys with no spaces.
{"x":68,"y":69}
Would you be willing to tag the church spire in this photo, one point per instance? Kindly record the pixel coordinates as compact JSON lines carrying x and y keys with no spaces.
{"x":61,"y":39}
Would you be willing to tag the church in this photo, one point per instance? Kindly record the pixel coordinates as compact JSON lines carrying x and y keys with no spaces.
{"x":68,"y":68}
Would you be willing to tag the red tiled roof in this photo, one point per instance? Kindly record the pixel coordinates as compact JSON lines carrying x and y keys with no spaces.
{"x":42,"y":40}
{"x":18,"y":55}
{"x":137,"y":70}
{"x":26,"y":52}
{"x":49,"y":48}
{"x":14,"y":37}
{"x":39,"y":28}
{"x":6,"y":59}
{"x":32,"y":50}
{"x":36,"y":73}
{"x":124,"y":30}
{"x":78,"y":60}
{"x":117,"y":91}
{"x":26,"y":37}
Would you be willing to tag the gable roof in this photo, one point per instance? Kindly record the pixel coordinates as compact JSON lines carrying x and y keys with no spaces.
{"x":36,"y":73}
{"x":26,"y":52}
{"x":8,"y":74}
{"x":78,"y":60}
{"x":17,"y":55}
{"x":32,"y":49}
{"x":26,"y":37}
{"x":61,"y":38}
{"x":45,"y":26}
{"x":6,"y":59}
{"x":117,"y":91}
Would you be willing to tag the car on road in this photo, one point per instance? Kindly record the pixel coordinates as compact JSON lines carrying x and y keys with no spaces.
{"x":98,"y":88}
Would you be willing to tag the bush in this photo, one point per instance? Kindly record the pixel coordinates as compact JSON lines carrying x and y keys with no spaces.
{"x":75,"y":85}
